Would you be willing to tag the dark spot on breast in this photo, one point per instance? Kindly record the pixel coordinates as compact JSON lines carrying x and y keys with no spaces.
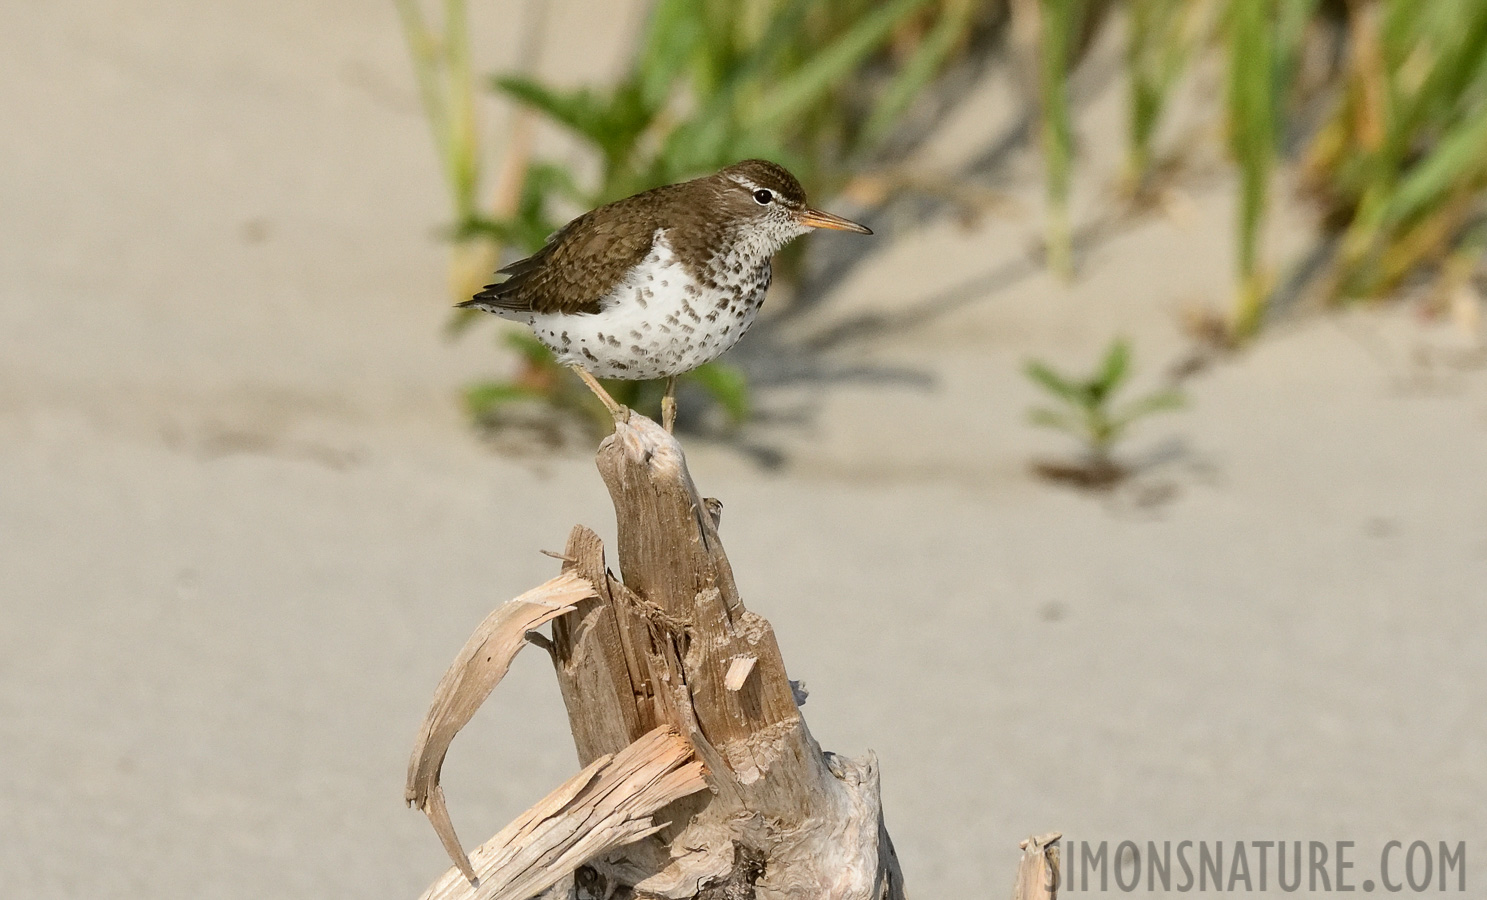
{"x":635,"y":334}
{"x":590,"y":355}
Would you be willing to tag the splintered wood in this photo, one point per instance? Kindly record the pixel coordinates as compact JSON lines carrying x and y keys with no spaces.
{"x":671,"y":685}
{"x":606,"y":806}
{"x":738,"y":672}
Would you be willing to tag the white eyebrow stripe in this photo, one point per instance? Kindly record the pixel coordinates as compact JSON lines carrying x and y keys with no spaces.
{"x":779,"y":198}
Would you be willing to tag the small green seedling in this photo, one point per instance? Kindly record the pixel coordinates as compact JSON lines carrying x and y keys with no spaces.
{"x":1088,"y":412}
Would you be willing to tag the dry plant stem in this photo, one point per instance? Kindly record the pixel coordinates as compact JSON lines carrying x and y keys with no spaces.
{"x":619,"y":412}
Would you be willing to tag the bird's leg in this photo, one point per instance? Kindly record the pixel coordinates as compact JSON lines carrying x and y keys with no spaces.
{"x":619,"y":412}
{"x":668,"y":405}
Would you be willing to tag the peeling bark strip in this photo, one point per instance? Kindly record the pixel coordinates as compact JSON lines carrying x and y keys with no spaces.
{"x":475,"y":672}
{"x":606,"y":806}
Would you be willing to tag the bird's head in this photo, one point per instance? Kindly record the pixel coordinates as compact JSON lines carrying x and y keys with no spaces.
{"x":769,"y":201}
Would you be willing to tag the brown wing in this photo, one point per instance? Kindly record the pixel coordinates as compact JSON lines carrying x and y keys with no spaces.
{"x":580,"y":264}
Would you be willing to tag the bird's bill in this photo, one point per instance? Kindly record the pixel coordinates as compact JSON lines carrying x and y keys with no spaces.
{"x":815,"y":218}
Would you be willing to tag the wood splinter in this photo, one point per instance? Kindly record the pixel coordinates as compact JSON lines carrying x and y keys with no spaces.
{"x":738,"y":672}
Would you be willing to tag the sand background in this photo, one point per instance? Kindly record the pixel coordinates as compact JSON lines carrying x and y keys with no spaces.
{"x":243,"y":527}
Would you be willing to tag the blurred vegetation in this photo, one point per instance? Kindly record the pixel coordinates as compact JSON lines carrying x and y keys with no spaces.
{"x":1378,"y":106}
{"x":1400,"y":164}
{"x":1059,"y":23}
{"x":1086,"y":410}
{"x":1382,"y":104}
{"x":817,"y":87}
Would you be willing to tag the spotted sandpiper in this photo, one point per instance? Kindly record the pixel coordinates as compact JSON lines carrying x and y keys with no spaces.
{"x":659,"y":283}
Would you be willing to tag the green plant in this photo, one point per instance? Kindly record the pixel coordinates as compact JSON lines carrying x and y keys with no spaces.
{"x":1396,"y":160}
{"x":1400,"y":163}
{"x":1252,"y":127}
{"x":1059,"y":23}
{"x":1087,"y":410}
{"x":1157,"y":47}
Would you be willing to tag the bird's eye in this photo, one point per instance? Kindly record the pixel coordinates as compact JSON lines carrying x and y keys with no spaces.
{"x":763,"y":197}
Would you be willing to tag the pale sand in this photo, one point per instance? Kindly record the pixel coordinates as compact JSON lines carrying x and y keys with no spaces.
{"x":243,"y":527}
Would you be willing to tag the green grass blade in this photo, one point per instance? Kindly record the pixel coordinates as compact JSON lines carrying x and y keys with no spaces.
{"x":464,"y":143}
{"x":1113,"y":369}
{"x":579,"y":111}
{"x":1161,"y":401}
{"x":1459,"y":159}
{"x":1292,"y":18}
{"x":1251,"y":97}
{"x":423,"y":48}
{"x":441,"y":66}
{"x":828,"y":65}
{"x":915,"y":75}
{"x":675,"y":30}
{"x":1115,"y":427}
{"x":1055,"y":383}
{"x":1157,"y":48}
{"x":722,"y":131}
{"x":1059,"y":24}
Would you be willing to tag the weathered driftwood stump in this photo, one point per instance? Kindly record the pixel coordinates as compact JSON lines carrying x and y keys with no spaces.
{"x":700,"y":778}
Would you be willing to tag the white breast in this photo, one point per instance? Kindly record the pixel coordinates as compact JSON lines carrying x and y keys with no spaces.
{"x":658,"y":322}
